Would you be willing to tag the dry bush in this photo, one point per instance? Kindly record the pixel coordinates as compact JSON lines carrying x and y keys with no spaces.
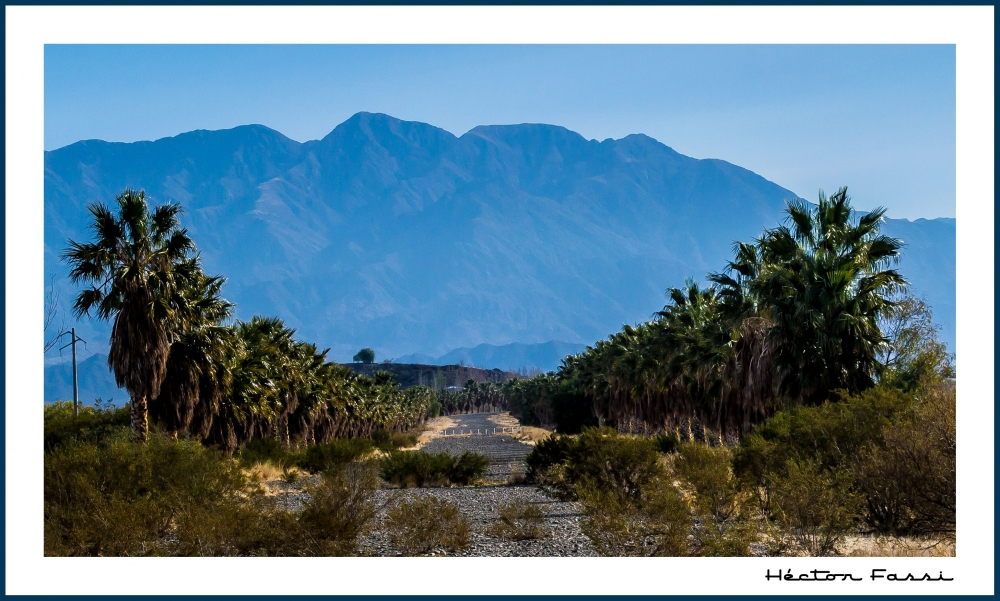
{"x":816,"y":508}
{"x":170,"y":497}
{"x":519,"y":521}
{"x":891,"y":546}
{"x":516,"y":476}
{"x":658,"y":524}
{"x":263,"y":472}
{"x":721,"y":502}
{"x":339,"y":510}
{"x":420,"y":469}
{"x":909,"y":482}
{"x":421,"y":524}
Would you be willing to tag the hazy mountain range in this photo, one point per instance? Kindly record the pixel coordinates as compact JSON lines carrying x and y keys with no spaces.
{"x":545,"y":356}
{"x":403,"y":237}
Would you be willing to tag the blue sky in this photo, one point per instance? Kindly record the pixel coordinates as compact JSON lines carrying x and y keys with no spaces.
{"x":879,"y":119}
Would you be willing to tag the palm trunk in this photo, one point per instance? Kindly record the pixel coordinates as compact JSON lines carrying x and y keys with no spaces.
{"x":139,"y":414}
{"x":283,"y":435}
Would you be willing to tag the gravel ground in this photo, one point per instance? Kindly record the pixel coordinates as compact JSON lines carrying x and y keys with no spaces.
{"x":505,"y":452}
{"x":481,"y":504}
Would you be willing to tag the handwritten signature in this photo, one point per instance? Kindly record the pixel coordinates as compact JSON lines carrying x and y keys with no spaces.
{"x":827,"y":576}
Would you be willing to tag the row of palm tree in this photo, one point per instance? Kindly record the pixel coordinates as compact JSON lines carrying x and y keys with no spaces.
{"x":193,"y":369}
{"x":475,"y":397}
{"x":793,"y":318}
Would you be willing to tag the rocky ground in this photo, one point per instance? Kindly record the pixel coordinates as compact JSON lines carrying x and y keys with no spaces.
{"x":481,"y":504}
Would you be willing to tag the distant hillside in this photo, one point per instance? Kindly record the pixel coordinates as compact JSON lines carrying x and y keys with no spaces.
{"x":95,"y":381}
{"x":545,"y":356}
{"x":400,"y":236}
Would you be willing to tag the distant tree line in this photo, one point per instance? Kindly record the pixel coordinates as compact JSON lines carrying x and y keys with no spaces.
{"x":193,"y":369}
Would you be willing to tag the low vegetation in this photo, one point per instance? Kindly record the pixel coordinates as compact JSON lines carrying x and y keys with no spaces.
{"x":114,"y":497}
{"x":519,"y":521}
{"x":879,"y":463}
{"x":422,"y":524}
{"x":800,"y":399}
{"x":408,"y":469}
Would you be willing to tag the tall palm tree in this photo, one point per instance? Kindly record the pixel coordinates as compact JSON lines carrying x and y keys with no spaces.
{"x":138,"y":260}
{"x":825,"y":284}
{"x":199,"y":361}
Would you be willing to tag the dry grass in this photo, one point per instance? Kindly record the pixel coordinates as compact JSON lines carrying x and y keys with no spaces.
{"x":889,"y":546}
{"x":519,"y":521}
{"x":263,"y":472}
{"x":421,"y":524}
{"x":532,"y":434}
{"x":431,"y":427}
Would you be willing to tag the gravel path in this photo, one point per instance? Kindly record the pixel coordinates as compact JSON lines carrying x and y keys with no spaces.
{"x":505,"y":452}
{"x":481,"y":504}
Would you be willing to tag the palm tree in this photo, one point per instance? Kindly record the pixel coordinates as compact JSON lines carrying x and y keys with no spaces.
{"x":135,"y":265}
{"x":825,"y":284}
{"x":199,"y":361}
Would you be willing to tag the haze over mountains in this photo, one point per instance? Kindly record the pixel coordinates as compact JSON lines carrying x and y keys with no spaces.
{"x":545,"y":356}
{"x":403,"y":237}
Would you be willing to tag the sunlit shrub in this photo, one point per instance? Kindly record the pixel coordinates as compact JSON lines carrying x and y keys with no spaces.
{"x":93,"y":424}
{"x":726,"y":527}
{"x":655,"y":524}
{"x":120,"y":498}
{"x":908,"y":483}
{"x":519,"y":521}
{"x":815,"y":507}
{"x":422,"y":524}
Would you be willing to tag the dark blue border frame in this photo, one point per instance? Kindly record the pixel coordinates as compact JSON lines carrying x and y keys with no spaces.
{"x":3,"y":271}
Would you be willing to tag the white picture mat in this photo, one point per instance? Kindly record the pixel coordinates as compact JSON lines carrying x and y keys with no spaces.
{"x":28,"y":28}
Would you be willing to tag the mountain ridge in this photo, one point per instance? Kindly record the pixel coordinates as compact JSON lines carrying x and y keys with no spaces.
{"x":400,"y":235}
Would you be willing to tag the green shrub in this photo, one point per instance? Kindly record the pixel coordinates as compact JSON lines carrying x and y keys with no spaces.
{"x":422,"y":524}
{"x":551,"y":450}
{"x":519,"y":521}
{"x":891,"y":450}
{"x":624,"y":464}
{"x":815,"y":507}
{"x":334,"y":454}
{"x":171,"y":497}
{"x":120,"y":498}
{"x":269,"y":450}
{"x":657,"y":524}
{"x":386,"y":440}
{"x":908,"y":483}
{"x":93,"y":424}
{"x":421,"y":469}
{"x":828,"y":434}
